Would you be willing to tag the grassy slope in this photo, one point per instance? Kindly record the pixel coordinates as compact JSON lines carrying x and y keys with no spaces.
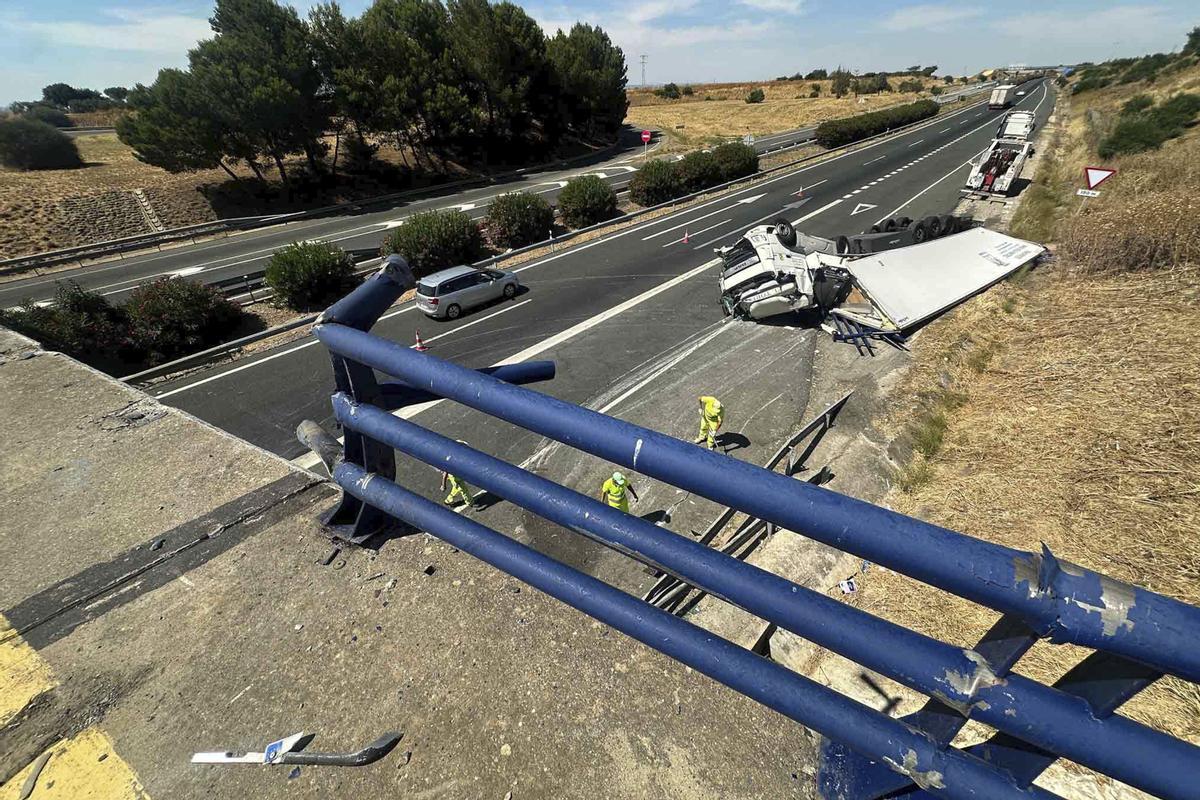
{"x":1065,"y":404}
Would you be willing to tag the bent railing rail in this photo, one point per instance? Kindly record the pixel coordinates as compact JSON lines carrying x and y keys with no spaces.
{"x":1137,"y":635}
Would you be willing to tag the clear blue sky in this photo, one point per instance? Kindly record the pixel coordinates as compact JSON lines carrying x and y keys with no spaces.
{"x":104,"y":44}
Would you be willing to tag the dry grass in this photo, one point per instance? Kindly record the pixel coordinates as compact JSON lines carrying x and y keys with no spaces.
{"x":1079,"y":420}
{"x":787,"y":106}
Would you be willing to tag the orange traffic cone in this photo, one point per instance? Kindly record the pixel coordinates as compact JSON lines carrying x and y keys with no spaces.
{"x":685,"y":236}
{"x":419,"y":346}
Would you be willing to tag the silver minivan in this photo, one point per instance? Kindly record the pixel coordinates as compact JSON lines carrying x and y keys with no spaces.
{"x":446,"y":294}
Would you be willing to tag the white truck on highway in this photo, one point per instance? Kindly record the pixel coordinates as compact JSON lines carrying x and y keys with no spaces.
{"x":906,"y":273}
{"x":1002,"y":96}
{"x":995,"y":169}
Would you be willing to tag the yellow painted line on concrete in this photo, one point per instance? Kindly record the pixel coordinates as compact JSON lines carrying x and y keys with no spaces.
{"x":23,"y":673}
{"x":84,"y":767}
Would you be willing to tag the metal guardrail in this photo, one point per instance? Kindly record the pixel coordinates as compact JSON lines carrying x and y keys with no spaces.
{"x":1138,"y":635}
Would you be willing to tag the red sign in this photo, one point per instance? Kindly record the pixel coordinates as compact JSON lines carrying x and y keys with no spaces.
{"x":1094,"y":176}
{"x":645,"y":136}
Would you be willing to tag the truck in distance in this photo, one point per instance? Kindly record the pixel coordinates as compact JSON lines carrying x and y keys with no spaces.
{"x":1002,"y":96}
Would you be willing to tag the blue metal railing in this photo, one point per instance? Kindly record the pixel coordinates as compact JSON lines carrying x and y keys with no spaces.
{"x":1138,"y":635}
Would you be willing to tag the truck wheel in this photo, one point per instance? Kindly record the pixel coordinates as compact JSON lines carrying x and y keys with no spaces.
{"x":933,"y":227}
{"x":948,"y":225}
{"x":904,"y":222}
{"x":889,"y":225}
{"x":842,"y":245}
{"x":875,"y":228}
{"x":785,"y":232}
{"x":920,"y":231}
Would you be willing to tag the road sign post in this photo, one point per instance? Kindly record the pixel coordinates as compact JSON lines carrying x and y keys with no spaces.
{"x":645,"y":143}
{"x":1093,"y":177}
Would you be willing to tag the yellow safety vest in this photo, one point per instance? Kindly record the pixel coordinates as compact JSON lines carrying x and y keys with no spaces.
{"x":613,"y":493}
{"x":711,"y":412}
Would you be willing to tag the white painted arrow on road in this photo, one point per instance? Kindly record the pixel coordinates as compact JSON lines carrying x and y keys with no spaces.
{"x":861,"y":207}
{"x":392,"y":223}
{"x":465,"y":207}
{"x":183,"y":273}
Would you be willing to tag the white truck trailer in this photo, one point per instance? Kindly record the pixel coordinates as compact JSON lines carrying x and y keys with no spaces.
{"x":1002,"y":96}
{"x":994,"y":170}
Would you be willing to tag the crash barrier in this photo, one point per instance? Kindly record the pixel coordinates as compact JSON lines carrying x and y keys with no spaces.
{"x":1137,"y":635}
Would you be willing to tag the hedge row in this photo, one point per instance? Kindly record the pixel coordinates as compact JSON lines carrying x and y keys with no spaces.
{"x":163,"y":320}
{"x":31,"y":144}
{"x":659,"y":181}
{"x":835,"y":132}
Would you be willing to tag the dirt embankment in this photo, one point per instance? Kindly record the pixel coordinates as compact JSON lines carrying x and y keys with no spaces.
{"x":1063,"y":406}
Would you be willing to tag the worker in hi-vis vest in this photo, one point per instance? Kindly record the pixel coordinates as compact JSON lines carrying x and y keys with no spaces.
{"x":460,"y":491}
{"x":616,"y":491}
{"x":712,"y":414}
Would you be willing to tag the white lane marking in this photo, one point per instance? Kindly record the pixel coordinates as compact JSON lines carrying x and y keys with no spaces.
{"x":917,"y":142}
{"x":943,"y":130}
{"x":656,"y":373}
{"x":311,"y":460}
{"x":873,"y":160}
{"x":183,"y":273}
{"x":812,"y":214}
{"x":923,"y":191}
{"x":406,"y":308}
{"x":743,"y":201}
{"x":861,"y":207}
{"x":697,"y":233}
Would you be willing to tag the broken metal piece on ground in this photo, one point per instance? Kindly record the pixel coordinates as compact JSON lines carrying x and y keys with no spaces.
{"x":290,"y":750}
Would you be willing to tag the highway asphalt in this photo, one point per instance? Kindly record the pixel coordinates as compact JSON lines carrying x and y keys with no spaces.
{"x":607,"y":282}
{"x":243,"y":253}
{"x":627,"y":318}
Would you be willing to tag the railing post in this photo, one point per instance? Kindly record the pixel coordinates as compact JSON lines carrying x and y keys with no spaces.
{"x":352,"y":519}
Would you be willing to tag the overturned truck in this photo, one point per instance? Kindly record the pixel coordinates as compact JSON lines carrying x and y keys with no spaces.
{"x":906,"y":273}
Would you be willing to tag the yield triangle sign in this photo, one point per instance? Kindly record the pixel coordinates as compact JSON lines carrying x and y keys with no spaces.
{"x":861,"y":207}
{"x":1097,"y":175}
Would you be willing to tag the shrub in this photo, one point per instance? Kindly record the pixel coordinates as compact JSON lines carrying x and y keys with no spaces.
{"x":309,"y":275}
{"x":734,"y":160}
{"x":1138,"y":131}
{"x":687,"y":90}
{"x":817,"y":75}
{"x":698,"y":171}
{"x":1088,"y":83}
{"x":755,"y":96}
{"x":935,"y":90}
{"x":1139,"y":102}
{"x":816,"y":89}
{"x":835,"y":132}
{"x":815,"y":93}
{"x":49,"y":115}
{"x":670,"y":91}
{"x":911,"y":86}
{"x":586,"y":200}
{"x":29,"y":144}
{"x":172,"y":317}
{"x":80,"y":323}
{"x":519,"y":218}
{"x":656,"y":182}
{"x":432,"y":240}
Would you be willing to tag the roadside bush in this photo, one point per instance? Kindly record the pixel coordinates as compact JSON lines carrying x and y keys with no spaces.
{"x":835,"y":132}
{"x":586,"y":200}
{"x":1137,"y":103}
{"x":910,"y":86}
{"x":49,"y":115}
{"x":519,"y":218}
{"x":1090,"y":82}
{"x":698,"y":171}
{"x":734,"y":160}
{"x":433,"y":240}
{"x":82,"y":324}
{"x":172,"y":317}
{"x":656,"y":182}
{"x":29,"y":144}
{"x":1147,"y":129}
{"x":309,"y":275}
{"x":816,"y":89}
{"x":687,"y":90}
{"x":756,"y":96}
{"x":935,"y":90}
